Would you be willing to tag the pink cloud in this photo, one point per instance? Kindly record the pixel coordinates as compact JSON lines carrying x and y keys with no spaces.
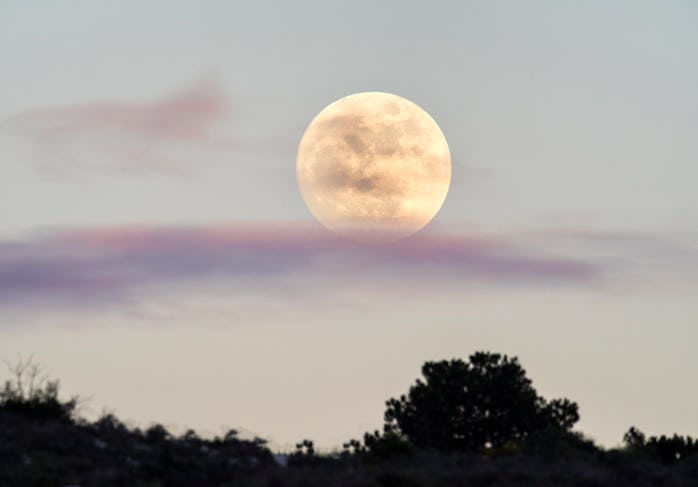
{"x":190,"y":114}
{"x":147,"y":135}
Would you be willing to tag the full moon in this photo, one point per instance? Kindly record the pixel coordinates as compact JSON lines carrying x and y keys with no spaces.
{"x":373,"y":167}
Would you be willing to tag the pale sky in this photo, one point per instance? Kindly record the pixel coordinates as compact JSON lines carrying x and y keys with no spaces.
{"x":156,"y":255}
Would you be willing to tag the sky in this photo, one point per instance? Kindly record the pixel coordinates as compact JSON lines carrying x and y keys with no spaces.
{"x":157,"y":256}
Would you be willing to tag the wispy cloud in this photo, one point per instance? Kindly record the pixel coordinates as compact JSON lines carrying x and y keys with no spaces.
{"x":150,"y":135}
{"x":88,"y":266}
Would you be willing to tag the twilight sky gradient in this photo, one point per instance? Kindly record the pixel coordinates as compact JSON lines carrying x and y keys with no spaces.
{"x":155,"y":252}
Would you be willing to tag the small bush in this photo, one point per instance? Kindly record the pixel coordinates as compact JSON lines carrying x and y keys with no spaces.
{"x":33,"y":395}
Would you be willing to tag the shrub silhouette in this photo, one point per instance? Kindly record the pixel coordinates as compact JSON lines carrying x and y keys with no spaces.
{"x":487,"y":402}
{"x":306,"y":456}
{"x":305,"y":448}
{"x":666,"y":449}
{"x":387,"y":445}
{"x":157,"y":433}
{"x":31,"y":394}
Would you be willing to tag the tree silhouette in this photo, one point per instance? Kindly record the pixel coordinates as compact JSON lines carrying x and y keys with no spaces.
{"x":634,"y":438}
{"x":485,"y":402}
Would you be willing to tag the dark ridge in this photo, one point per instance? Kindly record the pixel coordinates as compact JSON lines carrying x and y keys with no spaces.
{"x":464,"y":423}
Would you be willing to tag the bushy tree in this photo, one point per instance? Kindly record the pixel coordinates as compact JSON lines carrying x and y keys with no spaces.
{"x":485,"y":402}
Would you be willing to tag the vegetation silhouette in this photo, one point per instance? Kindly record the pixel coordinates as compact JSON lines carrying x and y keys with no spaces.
{"x":666,"y":449}
{"x":487,"y":402}
{"x":464,"y":423}
{"x":30,"y":393}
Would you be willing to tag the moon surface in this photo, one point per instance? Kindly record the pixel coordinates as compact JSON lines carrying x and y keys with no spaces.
{"x":373,"y":167}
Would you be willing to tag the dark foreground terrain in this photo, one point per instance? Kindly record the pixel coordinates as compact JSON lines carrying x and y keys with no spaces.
{"x":474,"y":423}
{"x":105,"y":453}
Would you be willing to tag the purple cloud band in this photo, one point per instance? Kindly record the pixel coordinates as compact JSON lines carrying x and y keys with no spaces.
{"x":111,"y":262}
